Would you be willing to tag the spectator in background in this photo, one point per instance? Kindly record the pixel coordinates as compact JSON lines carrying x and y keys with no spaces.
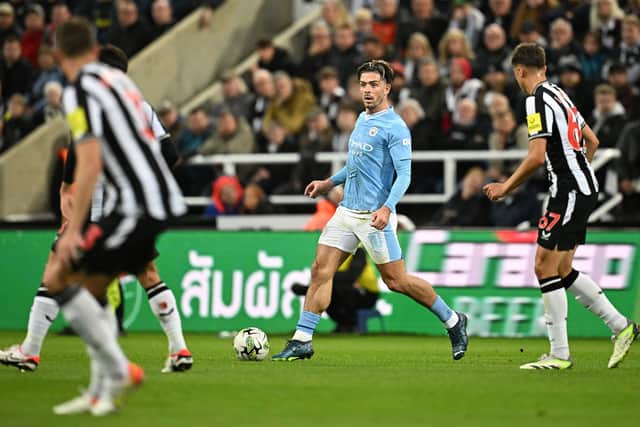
{"x":608,"y":117}
{"x":461,"y":84}
{"x":399,"y":89}
{"x":345,"y":57}
{"x":431,"y":94}
{"x":49,"y":72}
{"x":385,"y":22}
{"x":424,"y":136}
{"x":592,"y":58}
{"x":521,"y":207}
{"x":8,"y":24}
{"x":469,"y":19}
{"x":373,"y":48}
{"x":161,"y":17}
{"x":331,"y":93}
{"x":235,"y":96}
{"x":255,"y":201}
{"x":467,"y":207}
{"x":334,"y":13}
{"x":363,"y":19}
{"x":60,"y":14}
{"x":453,"y":45}
{"x":325,"y":208}
{"x":629,"y":52}
{"x":345,"y":123}
{"x":231,"y":136}
{"x":562,"y":47}
{"x":275,"y":178}
{"x":171,"y":120}
{"x":265,"y":90}
{"x":628,"y":168}
{"x":16,"y":73}
{"x":571,"y":81}
{"x":293,"y":101}
{"x":16,"y":122}
{"x":198,"y":130}
{"x":274,"y":58}
{"x":100,"y":13}
{"x":605,"y":19}
{"x":52,"y":108}
{"x":467,"y":132}
{"x":353,"y":93}
{"x":500,"y":13}
{"x":418,"y":49}
{"x":529,"y":33}
{"x":226,"y":197}
{"x":496,"y":81}
{"x":539,"y":12}
{"x":425,"y":19}
{"x":131,"y":33}
{"x":33,"y":33}
{"x":506,"y":135}
{"x":319,"y":52}
{"x":318,"y":136}
{"x":628,"y":95}
{"x":494,"y":53}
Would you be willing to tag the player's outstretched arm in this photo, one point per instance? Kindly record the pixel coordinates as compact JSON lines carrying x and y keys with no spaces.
{"x":591,"y":140}
{"x":535,"y":158}
{"x":318,"y":187}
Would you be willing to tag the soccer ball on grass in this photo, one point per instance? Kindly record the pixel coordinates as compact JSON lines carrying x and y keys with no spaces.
{"x":251,"y":344}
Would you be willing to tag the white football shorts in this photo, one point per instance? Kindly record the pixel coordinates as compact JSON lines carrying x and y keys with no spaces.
{"x":346,"y":228}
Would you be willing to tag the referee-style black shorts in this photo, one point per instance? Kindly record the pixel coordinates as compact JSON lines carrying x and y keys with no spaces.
{"x":117,"y":244}
{"x":564,"y":224}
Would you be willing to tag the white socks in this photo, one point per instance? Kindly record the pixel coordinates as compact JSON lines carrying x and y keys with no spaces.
{"x":163,"y":305}
{"x":589,"y":294}
{"x":44,"y":311}
{"x":301,"y":336}
{"x":555,"y":315}
{"x":95,"y":326}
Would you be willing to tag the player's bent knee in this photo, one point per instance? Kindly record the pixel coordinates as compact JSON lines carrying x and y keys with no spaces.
{"x":320,"y":272}
{"x":394,"y":284}
{"x":149,"y":276}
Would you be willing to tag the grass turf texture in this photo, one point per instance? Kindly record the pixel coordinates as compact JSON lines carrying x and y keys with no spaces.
{"x":351,"y":381}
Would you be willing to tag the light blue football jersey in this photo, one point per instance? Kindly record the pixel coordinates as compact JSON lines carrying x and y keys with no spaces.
{"x":377,"y":141}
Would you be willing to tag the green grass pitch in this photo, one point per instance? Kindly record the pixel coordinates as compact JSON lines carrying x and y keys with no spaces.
{"x":351,"y":381}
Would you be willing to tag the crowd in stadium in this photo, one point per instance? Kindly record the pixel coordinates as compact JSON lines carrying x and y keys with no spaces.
{"x":453,"y":87}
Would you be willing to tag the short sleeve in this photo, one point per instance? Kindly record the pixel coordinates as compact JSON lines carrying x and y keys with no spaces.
{"x":539,"y":118}
{"x":82,"y":113}
{"x":400,"y":142}
{"x":156,"y":126}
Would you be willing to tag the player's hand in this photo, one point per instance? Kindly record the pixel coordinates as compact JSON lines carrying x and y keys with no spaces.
{"x":495,"y":191}
{"x":68,"y":248}
{"x":318,"y":187}
{"x":380,"y":218}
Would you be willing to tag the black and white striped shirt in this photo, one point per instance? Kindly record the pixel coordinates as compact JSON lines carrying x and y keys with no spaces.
{"x":553,"y":116}
{"x":105,"y":104}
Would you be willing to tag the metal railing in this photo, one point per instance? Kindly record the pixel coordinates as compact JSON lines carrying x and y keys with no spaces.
{"x":449,"y":159}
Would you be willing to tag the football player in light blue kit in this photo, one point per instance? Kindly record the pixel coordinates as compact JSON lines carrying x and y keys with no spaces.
{"x":379,"y":148}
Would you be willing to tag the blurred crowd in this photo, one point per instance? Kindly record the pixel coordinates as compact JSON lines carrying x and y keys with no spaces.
{"x":453,"y":86}
{"x":30,"y":81}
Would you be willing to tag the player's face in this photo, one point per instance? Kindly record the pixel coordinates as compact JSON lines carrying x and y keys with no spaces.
{"x":374,"y":91}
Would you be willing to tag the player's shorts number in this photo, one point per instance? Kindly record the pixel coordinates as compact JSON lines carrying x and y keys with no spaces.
{"x":548,"y":221}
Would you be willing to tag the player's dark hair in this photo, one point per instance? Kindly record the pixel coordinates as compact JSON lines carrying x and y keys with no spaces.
{"x":75,"y":37}
{"x":529,"y":55}
{"x":377,"y":66}
{"x":114,"y":57}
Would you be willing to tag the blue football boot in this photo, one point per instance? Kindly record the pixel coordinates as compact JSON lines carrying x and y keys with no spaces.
{"x":294,"y":350}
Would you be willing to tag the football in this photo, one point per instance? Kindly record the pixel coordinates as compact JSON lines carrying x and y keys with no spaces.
{"x":251,"y":344}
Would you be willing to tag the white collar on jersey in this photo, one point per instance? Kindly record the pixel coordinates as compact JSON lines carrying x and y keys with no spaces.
{"x":368,"y":116}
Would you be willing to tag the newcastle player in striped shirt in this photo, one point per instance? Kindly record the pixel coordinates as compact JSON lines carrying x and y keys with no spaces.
{"x":114,"y":139}
{"x":560,"y":139}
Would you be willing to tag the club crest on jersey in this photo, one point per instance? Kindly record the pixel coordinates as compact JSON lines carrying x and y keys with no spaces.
{"x":373,"y":131}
